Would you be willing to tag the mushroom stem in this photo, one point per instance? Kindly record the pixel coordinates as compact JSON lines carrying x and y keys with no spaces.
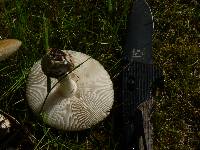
{"x":67,"y":87}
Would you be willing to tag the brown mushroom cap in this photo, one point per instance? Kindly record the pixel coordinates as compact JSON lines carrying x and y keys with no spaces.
{"x":7,"y":47}
{"x":90,"y":104}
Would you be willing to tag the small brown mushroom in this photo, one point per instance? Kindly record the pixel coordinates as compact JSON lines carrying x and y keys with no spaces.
{"x":8,"y":47}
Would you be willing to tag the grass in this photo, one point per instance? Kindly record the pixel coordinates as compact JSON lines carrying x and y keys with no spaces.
{"x":97,"y":29}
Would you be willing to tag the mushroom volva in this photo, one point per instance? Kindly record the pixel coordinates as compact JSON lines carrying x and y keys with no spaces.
{"x":81,"y":95}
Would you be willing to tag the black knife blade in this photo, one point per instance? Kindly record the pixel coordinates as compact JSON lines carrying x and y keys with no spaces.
{"x":138,"y":78}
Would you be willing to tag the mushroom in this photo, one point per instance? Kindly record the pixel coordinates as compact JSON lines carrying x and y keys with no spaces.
{"x":14,"y":135}
{"x":7,"y":47}
{"x":82,"y":96}
{"x":4,"y":126}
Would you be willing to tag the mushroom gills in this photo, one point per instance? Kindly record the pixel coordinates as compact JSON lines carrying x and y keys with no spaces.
{"x":82,"y":99}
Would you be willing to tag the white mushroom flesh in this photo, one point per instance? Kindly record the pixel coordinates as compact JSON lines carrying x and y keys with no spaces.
{"x":4,"y":123}
{"x":90,"y":104}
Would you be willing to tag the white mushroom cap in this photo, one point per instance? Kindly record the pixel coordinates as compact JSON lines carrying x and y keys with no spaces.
{"x":89,"y":103}
{"x":7,"y":47}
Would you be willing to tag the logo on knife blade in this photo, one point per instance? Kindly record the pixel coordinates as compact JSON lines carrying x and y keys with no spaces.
{"x":137,"y":53}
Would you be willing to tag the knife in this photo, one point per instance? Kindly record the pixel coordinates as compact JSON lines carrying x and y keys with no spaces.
{"x":138,"y":78}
